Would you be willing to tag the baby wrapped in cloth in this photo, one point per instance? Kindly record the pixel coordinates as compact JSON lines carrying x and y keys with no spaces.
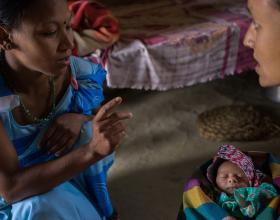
{"x":243,"y":190}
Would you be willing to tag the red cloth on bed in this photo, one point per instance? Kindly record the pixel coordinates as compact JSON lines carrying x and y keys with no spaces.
{"x":94,"y":26}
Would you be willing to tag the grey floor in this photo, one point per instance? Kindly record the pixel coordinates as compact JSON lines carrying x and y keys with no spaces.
{"x":163,"y":146}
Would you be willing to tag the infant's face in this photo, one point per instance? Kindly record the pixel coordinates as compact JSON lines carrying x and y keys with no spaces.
{"x":230,"y":177}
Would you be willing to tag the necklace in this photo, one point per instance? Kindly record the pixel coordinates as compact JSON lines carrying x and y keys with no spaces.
{"x":50,"y":115}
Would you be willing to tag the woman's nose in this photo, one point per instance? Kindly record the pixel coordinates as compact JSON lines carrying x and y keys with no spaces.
{"x":249,"y":38}
{"x":67,"y":41}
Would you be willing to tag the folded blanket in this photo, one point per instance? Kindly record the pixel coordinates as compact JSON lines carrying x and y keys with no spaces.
{"x":199,"y":194}
{"x":94,"y":26}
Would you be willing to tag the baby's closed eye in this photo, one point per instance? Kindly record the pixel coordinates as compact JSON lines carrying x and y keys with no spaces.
{"x":241,"y":177}
{"x":223,"y":176}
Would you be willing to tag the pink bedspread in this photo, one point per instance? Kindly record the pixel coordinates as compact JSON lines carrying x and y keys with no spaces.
{"x":168,"y":44}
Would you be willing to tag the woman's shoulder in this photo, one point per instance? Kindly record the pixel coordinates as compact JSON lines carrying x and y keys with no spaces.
{"x":8,"y":100}
{"x":83,"y":67}
{"x":87,"y":81}
{"x":4,"y":90}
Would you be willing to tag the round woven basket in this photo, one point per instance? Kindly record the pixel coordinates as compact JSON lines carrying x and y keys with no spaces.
{"x":236,"y":123}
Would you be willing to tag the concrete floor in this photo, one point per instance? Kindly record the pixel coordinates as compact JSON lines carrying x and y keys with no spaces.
{"x":163,"y":146}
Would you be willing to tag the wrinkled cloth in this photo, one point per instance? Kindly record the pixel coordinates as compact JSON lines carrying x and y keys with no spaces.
{"x":248,"y":201}
{"x":89,"y":21}
{"x":199,"y":196}
{"x":236,"y":156}
{"x":173,"y":44}
{"x":83,"y":197}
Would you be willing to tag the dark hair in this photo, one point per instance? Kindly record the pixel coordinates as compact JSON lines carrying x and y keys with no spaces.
{"x":276,"y":3}
{"x":12,"y":11}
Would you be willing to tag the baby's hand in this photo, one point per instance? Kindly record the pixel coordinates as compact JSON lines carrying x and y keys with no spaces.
{"x":63,"y":133}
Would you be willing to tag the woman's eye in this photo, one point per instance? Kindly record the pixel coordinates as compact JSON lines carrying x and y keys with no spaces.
{"x":255,"y":25}
{"x":49,"y":33}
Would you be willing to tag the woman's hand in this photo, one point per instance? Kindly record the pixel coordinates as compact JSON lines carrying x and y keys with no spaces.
{"x":108,"y":128}
{"x":63,"y":133}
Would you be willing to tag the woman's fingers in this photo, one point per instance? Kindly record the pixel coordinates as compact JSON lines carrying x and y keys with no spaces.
{"x":66,"y":147}
{"x":115,"y":134}
{"x":107,"y":108}
{"x":113,"y":119}
{"x":115,"y":129}
{"x":108,"y":128}
{"x":57,"y":139}
{"x":116,"y":139}
{"x":59,"y":145}
{"x":51,"y":131}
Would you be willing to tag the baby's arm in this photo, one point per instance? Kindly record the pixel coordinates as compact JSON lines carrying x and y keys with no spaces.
{"x":63,"y":133}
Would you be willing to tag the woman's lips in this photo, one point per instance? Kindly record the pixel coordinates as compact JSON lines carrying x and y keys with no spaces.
{"x":257,"y":68}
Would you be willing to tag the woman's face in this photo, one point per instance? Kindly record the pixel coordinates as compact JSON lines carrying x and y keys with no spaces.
{"x":43,"y":41}
{"x":263,"y":36}
{"x":230,"y":177}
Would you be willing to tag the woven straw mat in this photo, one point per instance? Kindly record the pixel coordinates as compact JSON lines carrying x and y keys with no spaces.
{"x":236,"y":123}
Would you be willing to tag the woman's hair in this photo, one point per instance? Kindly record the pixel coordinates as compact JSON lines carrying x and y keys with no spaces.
{"x":12,"y":11}
{"x":276,"y":3}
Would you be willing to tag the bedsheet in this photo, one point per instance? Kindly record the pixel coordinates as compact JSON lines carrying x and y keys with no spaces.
{"x":167,"y":44}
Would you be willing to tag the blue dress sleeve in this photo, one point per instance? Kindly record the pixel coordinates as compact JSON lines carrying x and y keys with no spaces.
{"x":87,"y":82}
{"x":8,"y":100}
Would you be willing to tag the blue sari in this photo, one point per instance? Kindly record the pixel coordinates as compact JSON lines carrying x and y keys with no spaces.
{"x":85,"y":197}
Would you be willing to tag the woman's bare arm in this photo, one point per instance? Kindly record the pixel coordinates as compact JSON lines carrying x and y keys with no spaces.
{"x":17,"y":184}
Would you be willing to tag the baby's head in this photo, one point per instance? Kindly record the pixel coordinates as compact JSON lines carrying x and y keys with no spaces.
{"x":230,"y":177}
{"x":232,"y":169}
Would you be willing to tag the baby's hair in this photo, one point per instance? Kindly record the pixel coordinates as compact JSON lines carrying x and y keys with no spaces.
{"x":12,"y":11}
{"x":217,"y":164}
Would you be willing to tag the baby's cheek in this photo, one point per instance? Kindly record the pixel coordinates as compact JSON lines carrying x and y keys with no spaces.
{"x":244,"y":183}
{"x":221,"y":183}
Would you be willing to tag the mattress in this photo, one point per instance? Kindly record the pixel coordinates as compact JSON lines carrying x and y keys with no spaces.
{"x":168,"y":44}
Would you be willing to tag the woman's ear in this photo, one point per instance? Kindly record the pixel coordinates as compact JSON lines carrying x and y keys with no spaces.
{"x":5,"y":40}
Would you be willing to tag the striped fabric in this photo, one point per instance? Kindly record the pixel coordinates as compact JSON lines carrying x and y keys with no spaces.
{"x":83,"y":95}
{"x":199,"y":195}
{"x":168,"y":44}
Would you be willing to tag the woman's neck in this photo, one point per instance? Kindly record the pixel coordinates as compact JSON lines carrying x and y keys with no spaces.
{"x":26,"y":80}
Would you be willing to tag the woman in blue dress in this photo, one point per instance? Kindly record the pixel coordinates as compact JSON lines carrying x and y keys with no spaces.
{"x":42,"y":90}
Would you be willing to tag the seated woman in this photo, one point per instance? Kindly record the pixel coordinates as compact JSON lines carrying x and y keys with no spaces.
{"x":263,"y":37}
{"x":46,"y":101}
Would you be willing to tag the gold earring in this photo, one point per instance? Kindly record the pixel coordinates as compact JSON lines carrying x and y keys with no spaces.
{"x":7,"y":45}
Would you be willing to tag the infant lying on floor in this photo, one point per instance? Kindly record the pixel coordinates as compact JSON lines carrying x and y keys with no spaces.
{"x":244,"y":190}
